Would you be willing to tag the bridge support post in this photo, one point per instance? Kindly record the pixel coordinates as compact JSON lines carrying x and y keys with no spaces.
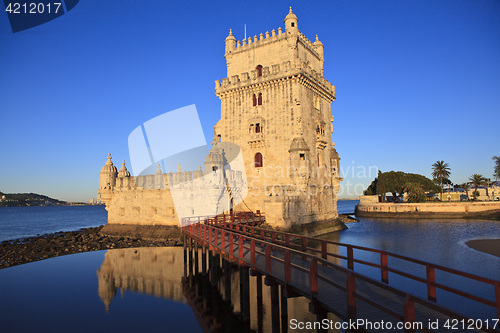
{"x":275,"y":306}
{"x":210,"y":264}
{"x":185,"y":255}
{"x":204,"y":260}
{"x":319,"y":310}
{"x":190,"y":241}
{"x":196,"y":261}
{"x":284,"y":310}
{"x":245,"y":293}
{"x":260,"y":307}
{"x":227,"y":280}
{"x":214,"y":269}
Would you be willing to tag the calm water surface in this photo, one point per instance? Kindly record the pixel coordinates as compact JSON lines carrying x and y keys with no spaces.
{"x":124,"y":290}
{"x":19,"y":222}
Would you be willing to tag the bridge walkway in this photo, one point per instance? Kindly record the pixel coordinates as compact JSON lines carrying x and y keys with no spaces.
{"x":330,"y":287}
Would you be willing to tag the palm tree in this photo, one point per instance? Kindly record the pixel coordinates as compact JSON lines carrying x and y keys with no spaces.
{"x":465,"y":186}
{"x":477,"y":180}
{"x":441,"y":170}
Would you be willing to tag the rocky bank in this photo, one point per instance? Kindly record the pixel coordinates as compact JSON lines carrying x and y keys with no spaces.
{"x":21,"y":251}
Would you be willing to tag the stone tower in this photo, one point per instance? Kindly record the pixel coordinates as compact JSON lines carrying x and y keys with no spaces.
{"x":276,"y":105}
{"x":107,"y":180}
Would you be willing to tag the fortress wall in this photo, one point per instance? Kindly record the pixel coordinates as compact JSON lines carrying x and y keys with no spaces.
{"x":428,"y":210}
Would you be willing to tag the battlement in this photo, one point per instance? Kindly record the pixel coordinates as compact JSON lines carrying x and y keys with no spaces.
{"x":274,"y":72}
{"x":187,"y":179}
{"x":273,"y":37}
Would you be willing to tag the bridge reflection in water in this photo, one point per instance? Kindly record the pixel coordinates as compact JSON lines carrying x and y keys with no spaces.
{"x":223,"y":296}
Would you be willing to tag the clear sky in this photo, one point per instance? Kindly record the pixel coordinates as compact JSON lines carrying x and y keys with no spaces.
{"x":416,"y":82}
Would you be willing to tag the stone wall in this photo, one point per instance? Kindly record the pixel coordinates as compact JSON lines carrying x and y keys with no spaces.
{"x":429,"y":210}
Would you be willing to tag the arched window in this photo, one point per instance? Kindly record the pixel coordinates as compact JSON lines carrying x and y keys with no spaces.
{"x":259,"y":70}
{"x":257,"y":128}
{"x":258,"y":160}
{"x":260,"y":99}
{"x":254,"y":100}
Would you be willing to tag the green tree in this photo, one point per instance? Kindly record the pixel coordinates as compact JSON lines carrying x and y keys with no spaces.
{"x":415,"y":192}
{"x":477,"y":180}
{"x":372,"y":189}
{"x":396,"y":182}
{"x":393,"y":182}
{"x":441,"y":170}
{"x":496,"y":171}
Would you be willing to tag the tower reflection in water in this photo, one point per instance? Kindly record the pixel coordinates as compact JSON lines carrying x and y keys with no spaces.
{"x":224,"y":296}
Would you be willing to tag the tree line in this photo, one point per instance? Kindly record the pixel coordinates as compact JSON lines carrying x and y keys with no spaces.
{"x":416,"y":186}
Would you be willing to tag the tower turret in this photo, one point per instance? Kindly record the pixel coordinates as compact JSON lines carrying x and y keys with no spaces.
{"x":107,"y":180}
{"x":291,"y":23}
{"x":230,"y":42}
{"x":108,"y":175}
{"x":123,"y":171}
{"x":318,"y":46}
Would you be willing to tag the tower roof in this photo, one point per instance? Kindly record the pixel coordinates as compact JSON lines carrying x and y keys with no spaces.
{"x":123,"y":171}
{"x":317,"y":42}
{"x":298,"y":144}
{"x":230,"y":36}
{"x":291,"y":15}
{"x":109,"y":167}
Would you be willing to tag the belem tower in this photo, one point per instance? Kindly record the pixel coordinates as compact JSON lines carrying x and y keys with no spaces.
{"x":276,"y":106}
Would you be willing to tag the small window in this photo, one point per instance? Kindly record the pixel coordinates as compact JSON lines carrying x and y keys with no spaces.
{"x":254,"y":100}
{"x":259,"y":70}
{"x":260,"y":98}
{"x":258,"y":160}
{"x":302,"y":156}
{"x":219,"y":138}
{"x":257,"y":128}
{"x":214,"y":169}
{"x":293,"y":24}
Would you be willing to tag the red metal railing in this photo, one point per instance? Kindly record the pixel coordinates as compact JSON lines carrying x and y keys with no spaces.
{"x":320,"y":250}
{"x":215,"y":237}
{"x":249,"y":218}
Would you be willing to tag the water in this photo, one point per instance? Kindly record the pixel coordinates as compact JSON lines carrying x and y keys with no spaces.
{"x":103,"y":291}
{"x":346,"y":206}
{"x":19,"y":222}
{"x":128,"y":291}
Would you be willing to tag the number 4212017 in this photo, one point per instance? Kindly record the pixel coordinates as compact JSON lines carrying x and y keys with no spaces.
{"x":33,"y":8}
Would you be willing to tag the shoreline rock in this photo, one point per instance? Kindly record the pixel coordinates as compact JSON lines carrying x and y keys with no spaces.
{"x":30,"y":249}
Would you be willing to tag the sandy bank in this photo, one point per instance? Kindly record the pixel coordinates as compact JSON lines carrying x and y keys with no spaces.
{"x":490,"y":246}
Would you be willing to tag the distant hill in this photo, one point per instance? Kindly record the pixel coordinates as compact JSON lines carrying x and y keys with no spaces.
{"x":28,"y":199}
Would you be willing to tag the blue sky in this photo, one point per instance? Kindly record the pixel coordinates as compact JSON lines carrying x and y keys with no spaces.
{"x":416,"y":82}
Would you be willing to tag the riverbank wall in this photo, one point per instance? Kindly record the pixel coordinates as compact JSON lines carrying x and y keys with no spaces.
{"x":368,"y":207}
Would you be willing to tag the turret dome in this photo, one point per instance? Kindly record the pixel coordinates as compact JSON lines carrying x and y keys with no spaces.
{"x":317,"y":42}
{"x":123,"y":171}
{"x":230,"y":36}
{"x":109,"y":167}
{"x":291,"y":16}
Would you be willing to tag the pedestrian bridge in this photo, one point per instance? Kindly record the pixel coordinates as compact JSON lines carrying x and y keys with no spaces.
{"x":315,"y":269}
